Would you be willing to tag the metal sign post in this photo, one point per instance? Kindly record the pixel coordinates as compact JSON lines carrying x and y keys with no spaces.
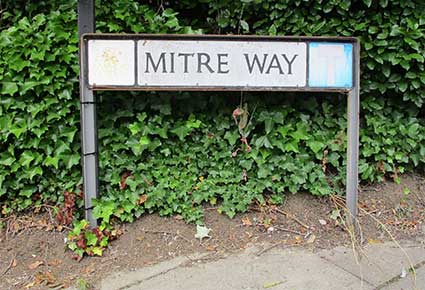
{"x":89,"y":151}
{"x":353,"y":111}
{"x":217,"y":63}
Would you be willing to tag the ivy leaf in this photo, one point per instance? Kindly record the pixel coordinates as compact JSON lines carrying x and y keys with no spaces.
{"x":383,"y":3}
{"x":291,"y":147}
{"x":27,"y":86}
{"x":26,"y":158}
{"x":263,"y":172}
{"x":283,"y":130}
{"x":104,"y":210}
{"x":35,"y":171}
{"x":413,"y":130}
{"x":91,"y":238}
{"x":244,"y":25}
{"x":164,"y":109}
{"x":128,"y":206}
{"x":71,"y":160}
{"x":168,"y":12}
{"x":98,"y":251}
{"x":367,"y":2}
{"x":193,"y":122}
{"x":9,"y":88}
{"x":402,"y":86}
{"x":315,"y":146}
{"x":172,"y":23}
{"x":395,"y":30}
{"x":51,"y":160}
{"x":104,"y":242}
{"x":268,"y":125}
{"x":202,"y":232}
{"x":231,"y":136}
{"x":263,"y":141}
{"x":6,"y":159}
{"x":134,"y":128}
{"x":144,"y":140}
{"x":181,"y":132}
{"x":300,"y":134}
{"x":272,"y":30}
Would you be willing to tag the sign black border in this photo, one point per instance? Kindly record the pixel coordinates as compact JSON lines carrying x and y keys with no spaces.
{"x":194,"y":37}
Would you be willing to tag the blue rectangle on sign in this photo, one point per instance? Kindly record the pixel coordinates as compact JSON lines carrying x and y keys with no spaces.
{"x":330,"y":65}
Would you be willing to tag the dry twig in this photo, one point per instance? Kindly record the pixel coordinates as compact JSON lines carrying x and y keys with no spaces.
{"x":270,"y":247}
{"x":288,"y":230}
{"x":291,"y":216}
{"x":167,"y":233}
{"x":10,"y":265}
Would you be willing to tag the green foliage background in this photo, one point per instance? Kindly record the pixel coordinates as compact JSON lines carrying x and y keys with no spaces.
{"x":178,"y":146}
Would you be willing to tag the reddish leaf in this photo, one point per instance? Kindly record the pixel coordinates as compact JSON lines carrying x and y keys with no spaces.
{"x":124,"y":177}
{"x":81,"y":243}
{"x":98,"y":234}
{"x":65,"y":215}
{"x":34,"y":265}
{"x":77,"y":257}
{"x":237,"y":112}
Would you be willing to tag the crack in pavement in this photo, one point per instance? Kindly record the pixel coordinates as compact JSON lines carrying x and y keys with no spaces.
{"x":151,"y":277}
{"x":347,"y":271}
{"x":398,"y":277}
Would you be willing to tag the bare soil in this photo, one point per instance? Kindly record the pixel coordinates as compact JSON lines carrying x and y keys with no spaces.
{"x":33,"y":253}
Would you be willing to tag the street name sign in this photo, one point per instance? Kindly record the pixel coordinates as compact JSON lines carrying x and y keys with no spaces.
{"x":155,"y":62}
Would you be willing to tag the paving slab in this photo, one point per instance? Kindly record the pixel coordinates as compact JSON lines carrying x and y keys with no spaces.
{"x":282,"y":269}
{"x":124,"y":280}
{"x":276,"y":269}
{"x":379,"y":262}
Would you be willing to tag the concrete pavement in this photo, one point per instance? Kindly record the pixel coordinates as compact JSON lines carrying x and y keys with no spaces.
{"x":382,"y":267}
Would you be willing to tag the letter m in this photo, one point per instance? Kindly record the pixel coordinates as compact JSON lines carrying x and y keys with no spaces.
{"x":161,"y":60}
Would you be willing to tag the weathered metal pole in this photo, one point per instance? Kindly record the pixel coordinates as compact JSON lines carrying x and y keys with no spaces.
{"x":353,"y":110}
{"x":90,"y":161}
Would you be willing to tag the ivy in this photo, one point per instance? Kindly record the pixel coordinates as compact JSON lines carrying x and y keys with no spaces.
{"x":391,"y":34}
{"x":172,"y":153}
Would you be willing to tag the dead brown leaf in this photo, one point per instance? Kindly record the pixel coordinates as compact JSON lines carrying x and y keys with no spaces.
{"x":212,"y":247}
{"x":34,"y":265}
{"x":124,"y":177}
{"x":45,"y":278}
{"x":90,"y":269}
{"x":42,"y":223}
{"x":374,"y":242}
{"x":14,"y":263}
{"x":250,"y":235}
{"x":30,"y":285}
{"x":49,"y":278}
{"x":246,"y":221}
{"x":311,"y":239}
{"x":142,"y":199}
{"x":178,"y":217}
{"x":55,"y":262}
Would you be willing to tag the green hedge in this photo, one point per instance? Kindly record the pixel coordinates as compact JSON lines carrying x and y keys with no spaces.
{"x":171,"y":152}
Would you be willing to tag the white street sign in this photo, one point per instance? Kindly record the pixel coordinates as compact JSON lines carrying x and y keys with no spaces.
{"x":221,"y":63}
{"x":216,"y":64}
